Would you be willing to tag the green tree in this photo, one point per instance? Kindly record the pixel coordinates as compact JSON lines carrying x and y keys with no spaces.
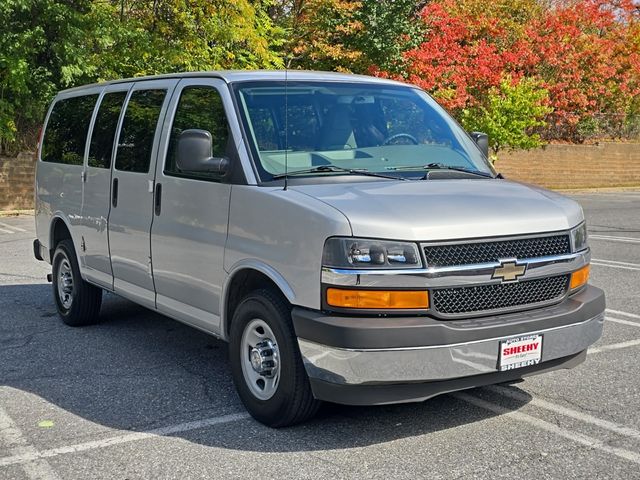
{"x":318,"y":33}
{"x":347,"y":35}
{"x":42,"y":48}
{"x":133,"y":38}
{"x":389,"y":28}
{"x":48,"y":45}
{"x":511,"y":114}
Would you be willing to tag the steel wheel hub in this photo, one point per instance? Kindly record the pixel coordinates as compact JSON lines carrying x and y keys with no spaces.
{"x":263,"y":358}
{"x":260,"y":359}
{"x":65,"y":283}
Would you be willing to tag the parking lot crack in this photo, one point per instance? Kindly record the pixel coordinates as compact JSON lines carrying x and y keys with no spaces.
{"x":24,"y":340}
{"x":203,"y":380}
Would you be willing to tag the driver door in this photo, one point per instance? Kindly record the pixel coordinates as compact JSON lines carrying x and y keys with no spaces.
{"x":189,"y":228}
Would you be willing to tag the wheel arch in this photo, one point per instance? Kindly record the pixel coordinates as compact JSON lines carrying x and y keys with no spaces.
{"x":60,"y":229}
{"x":244,"y":277}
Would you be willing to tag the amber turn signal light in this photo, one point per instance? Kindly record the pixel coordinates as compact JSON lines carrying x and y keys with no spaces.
{"x":373,"y":299}
{"x":580,"y":277}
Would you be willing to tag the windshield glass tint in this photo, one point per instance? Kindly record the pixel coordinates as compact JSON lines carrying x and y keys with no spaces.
{"x":379,"y":128}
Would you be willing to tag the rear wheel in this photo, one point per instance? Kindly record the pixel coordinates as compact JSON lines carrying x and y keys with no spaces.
{"x":266,"y":364}
{"x":78,"y":302}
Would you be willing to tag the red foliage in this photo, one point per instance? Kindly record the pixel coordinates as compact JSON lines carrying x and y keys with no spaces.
{"x":583,"y":53}
{"x":586,"y":53}
{"x":453,"y":62}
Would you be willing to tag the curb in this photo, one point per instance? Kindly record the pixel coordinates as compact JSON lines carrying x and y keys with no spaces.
{"x":15,"y":213}
{"x":599,"y":189}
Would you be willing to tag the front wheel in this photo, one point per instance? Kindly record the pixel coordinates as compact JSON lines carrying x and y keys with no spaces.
{"x":78,"y":302}
{"x":266,"y":363}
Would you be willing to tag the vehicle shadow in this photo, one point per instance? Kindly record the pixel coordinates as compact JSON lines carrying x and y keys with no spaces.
{"x":137,"y":370}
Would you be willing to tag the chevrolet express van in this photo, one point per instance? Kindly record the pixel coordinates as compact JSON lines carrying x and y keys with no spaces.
{"x":343,"y":233}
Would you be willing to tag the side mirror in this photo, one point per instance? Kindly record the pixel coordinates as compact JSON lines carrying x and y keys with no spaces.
{"x":194,"y":153}
{"x":482,"y":140}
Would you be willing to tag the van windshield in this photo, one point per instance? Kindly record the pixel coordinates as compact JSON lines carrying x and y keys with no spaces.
{"x":360,"y":126}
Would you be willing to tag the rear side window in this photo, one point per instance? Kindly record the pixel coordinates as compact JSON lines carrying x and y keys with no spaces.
{"x":138,"y":129}
{"x":198,"y":108}
{"x":66,"y":131}
{"x":104,"y":130}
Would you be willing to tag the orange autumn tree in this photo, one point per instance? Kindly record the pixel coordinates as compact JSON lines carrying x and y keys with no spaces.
{"x":318,"y":34}
{"x":348,"y":35}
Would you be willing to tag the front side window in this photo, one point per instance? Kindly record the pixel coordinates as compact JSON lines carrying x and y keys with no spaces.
{"x":104,"y":130}
{"x":66,"y":131}
{"x":135,"y":142}
{"x":199,"y":108}
{"x":387,"y":129}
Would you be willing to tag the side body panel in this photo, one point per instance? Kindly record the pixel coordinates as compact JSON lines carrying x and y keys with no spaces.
{"x":96,"y":204}
{"x":59,"y":188}
{"x":44,"y":192}
{"x":283,"y":231}
{"x":130,"y":220}
{"x":189,"y":233}
{"x":59,"y":193}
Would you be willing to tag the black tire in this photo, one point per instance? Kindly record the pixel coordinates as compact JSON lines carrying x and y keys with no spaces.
{"x":293,"y":401}
{"x":85,"y":299}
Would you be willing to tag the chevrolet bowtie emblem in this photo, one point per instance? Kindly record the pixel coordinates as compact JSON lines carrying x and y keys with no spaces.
{"x":509,"y":271}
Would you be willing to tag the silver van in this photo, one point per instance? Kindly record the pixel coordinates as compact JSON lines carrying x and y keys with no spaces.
{"x":343,"y":233}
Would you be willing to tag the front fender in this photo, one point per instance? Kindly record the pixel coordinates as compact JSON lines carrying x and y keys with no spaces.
{"x":259,"y":266}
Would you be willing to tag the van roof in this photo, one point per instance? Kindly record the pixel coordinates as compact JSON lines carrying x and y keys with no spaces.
{"x":230,"y":76}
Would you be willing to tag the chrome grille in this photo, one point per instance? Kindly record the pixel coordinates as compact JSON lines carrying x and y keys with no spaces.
{"x":458,"y":300}
{"x":485,"y":252}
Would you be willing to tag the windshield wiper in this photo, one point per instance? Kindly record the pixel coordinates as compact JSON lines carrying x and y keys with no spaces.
{"x":334,"y":169}
{"x":442,"y":166}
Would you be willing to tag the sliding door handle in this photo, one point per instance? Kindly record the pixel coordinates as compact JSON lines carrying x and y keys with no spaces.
{"x":158,"y":199}
{"x":114,"y":193}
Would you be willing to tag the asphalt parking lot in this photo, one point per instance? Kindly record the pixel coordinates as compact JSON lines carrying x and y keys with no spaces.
{"x":142,"y":397}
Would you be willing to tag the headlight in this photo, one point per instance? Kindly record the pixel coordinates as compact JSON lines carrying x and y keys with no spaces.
{"x":579,"y":237}
{"x":367,"y":253}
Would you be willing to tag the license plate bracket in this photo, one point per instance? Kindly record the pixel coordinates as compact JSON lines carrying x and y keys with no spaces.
{"x":518,"y":352}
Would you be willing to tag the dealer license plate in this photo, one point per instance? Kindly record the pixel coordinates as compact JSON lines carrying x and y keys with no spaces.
{"x":520,"y":352}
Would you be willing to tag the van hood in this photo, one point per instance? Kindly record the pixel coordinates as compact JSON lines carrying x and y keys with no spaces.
{"x":446,"y":209}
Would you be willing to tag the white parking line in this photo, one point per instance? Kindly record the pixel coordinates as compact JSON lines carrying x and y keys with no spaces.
{"x":614,"y":346}
{"x":11,"y":436}
{"x":611,"y":238}
{"x":568,"y":412}
{"x":615,"y":264}
{"x":624,"y":322}
{"x":30,"y":456}
{"x":6,"y":231}
{"x":12,"y":227}
{"x":549,"y":427}
{"x":623,"y":314}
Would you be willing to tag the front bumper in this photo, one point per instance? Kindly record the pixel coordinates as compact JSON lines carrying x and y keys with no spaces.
{"x":379,"y":358}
